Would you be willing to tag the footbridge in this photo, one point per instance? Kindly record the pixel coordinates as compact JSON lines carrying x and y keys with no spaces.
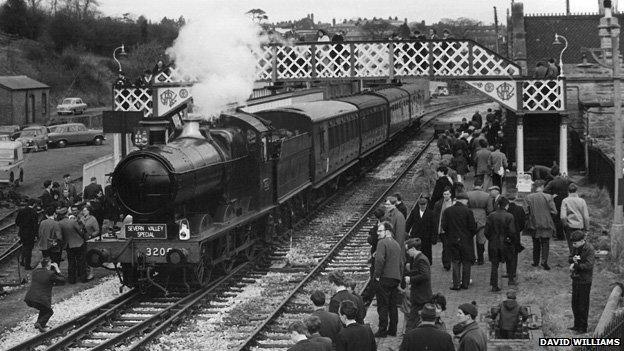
{"x":459,"y":59}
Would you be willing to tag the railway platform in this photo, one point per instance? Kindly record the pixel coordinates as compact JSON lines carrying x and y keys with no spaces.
{"x":547,"y":293}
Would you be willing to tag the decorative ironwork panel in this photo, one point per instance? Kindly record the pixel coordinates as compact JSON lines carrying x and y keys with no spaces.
{"x":332,"y":61}
{"x":264,"y":67}
{"x":133,"y":99}
{"x":543,"y":95}
{"x":451,"y":58}
{"x":411,"y":59}
{"x":294,"y":61}
{"x":372,"y":60}
{"x":485,"y":63}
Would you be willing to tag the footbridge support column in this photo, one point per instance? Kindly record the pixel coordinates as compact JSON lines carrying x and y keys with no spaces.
{"x":520,"y":144}
{"x":563,"y":145}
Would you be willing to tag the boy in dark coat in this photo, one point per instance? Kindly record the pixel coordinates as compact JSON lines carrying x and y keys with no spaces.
{"x":28,"y":223}
{"x":427,"y":336}
{"x":499,"y":230}
{"x":471,"y":337}
{"x":582,"y":270}
{"x":459,"y":225}
{"x":509,"y":312}
{"x":418,"y":276}
{"x":39,"y":296}
{"x":299,"y":335}
{"x":354,"y":336}
{"x":313,"y":323}
{"x":341,"y":286}
{"x":330,"y":322}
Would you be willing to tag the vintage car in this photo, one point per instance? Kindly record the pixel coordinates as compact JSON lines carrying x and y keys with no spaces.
{"x":71,"y":106}
{"x":74,"y":133}
{"x":9,"y":130}
{"x":11,"y":162}
{"x":33,"y":138}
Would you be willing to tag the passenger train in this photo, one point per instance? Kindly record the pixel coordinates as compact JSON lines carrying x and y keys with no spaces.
{"x":216,"y":193}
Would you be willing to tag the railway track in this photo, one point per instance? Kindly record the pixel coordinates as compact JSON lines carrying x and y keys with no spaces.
{"x":139,"y":320}
{"x":350,"y":254}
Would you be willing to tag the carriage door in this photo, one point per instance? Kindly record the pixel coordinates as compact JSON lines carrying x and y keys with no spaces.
{"x":322,"y":166}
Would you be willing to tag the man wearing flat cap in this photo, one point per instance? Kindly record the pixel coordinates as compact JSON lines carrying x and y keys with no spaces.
{"x":427,"y":336}
{"x":459,"y":227}
{"x":582,"y":269}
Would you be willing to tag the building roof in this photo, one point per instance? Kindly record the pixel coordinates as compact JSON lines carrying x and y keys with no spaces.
{"x":21,"y":83}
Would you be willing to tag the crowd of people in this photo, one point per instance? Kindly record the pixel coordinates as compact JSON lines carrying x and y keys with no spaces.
{"x":465,"y":222}
{"x":69,"y":221}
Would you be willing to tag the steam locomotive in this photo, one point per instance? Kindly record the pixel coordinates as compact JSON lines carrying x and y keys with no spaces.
{"x":213,"y":194}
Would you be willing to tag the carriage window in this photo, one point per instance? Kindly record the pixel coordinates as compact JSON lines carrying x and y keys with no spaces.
{"x":322,"y":141}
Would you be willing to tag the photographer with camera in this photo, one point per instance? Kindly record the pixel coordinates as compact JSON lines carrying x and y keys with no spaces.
{"x":39,"y":296}
{"x":581,"y":269}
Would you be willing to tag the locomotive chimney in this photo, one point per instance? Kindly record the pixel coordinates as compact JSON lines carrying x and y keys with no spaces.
{"x":191,"y":127}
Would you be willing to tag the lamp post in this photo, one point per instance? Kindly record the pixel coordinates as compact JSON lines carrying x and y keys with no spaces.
{"x":557,"y":42}
{"x":122,"y":53}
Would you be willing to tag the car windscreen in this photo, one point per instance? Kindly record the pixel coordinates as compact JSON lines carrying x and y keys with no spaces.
{"x":29,"y":133}
{"x":67,"y":102}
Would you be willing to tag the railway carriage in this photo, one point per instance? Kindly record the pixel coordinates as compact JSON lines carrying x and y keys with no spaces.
{"x":416,"y":102}
{"x":214,"y":192}
{"x":398,"y":109}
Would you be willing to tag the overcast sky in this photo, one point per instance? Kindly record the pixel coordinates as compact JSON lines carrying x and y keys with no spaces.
{"x":325,"y":10}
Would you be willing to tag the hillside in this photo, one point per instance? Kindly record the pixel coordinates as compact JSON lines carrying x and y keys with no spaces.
{"x":71,"y":73}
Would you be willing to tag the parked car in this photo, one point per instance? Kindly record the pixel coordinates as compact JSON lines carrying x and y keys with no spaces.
{"x":71,"y":106}
{"x":62,"y":135}
{"x":33,"y":138}
{"x":11,"y":162}
{"x":10,"y":129}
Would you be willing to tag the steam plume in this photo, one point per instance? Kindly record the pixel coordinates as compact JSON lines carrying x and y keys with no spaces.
{"x":215,"y":49}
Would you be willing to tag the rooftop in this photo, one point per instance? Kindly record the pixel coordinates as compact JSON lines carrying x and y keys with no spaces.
{"x":21,"y":83}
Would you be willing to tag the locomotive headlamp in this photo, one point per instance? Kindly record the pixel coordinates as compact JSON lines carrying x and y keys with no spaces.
{"x":177,"y":256}
{"x":184,"y":232}
{"x":141,"y":137}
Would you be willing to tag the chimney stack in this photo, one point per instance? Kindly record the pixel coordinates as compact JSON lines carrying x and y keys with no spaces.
{"x":312,"y":17}
{"x":333,"y":22}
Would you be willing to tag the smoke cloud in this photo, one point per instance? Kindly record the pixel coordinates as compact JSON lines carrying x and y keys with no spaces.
{"x":216,"y":50}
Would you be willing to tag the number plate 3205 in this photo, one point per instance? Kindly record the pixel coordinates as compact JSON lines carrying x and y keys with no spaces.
{"x":156,"y":251}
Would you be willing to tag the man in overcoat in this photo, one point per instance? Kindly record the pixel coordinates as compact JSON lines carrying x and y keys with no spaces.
{"x":443,"y":182}
{"x":481,"y":157}
{"x":540,"y":224}
{"x":396,"y":219}
{"x":74,"y":237}
{"x":27,"y":222}
{"x":499,"y":230}
{"x":39,"y":295}
{"x":388,"y":274}
{"x":91,"y":190}
{"x":50,"y":239}
{"x":511,"y":260}
{"x":418,"y":276}
{"x":421,"y":224}
{"x":478,"y":201}
{"x":427,"y":336}
{"x":460,"y":228}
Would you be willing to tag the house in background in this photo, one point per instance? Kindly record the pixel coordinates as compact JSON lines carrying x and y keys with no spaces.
{"x":23,"y":101}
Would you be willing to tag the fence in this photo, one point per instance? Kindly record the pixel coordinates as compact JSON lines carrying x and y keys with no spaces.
{"x":601,"y":170}
{"x":611,"y":323}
